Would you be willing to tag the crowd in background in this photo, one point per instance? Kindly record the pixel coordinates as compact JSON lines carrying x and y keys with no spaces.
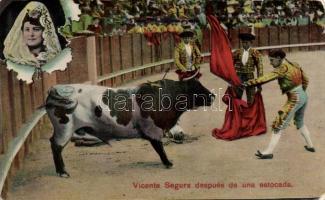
{"x":270,"y":13}
{"x":141,"y":16}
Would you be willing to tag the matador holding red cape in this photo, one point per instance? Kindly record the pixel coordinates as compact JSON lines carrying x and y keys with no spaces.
{"x":248,"y":118}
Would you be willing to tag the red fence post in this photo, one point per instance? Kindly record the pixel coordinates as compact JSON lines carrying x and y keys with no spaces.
{"x":294,"y":37}
{"x":165,"y":54}
{"x":322,"y":37}
{"x":262,"y":37}
{"x":116,"y":62}
{"x":274,"y":35}
{"x":6,"y":116}
{"x":22,"y":101}
{"x":132,"y":55}
{"x":11,"y":104}
{"x":171,"y":49}
{"x":284,"y":36}
{"x":303,"y":37}
{"x":137,"y":53}
{"x":126,"y":54}
{"x":91,"y":59}
{"x":107,"y":59}
{"x":39,"y":100}
{"x":99,"y":55}
{"x":147,"y":55}
{"x":314,"y":36}
{"x":27,"y":104}
{"x":77,"y":71}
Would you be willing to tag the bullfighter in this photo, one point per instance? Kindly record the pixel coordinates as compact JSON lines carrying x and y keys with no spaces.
{"x":293,"y":82}
{"x":246,"y":60}
{"x":187,"y":56}
{"x":187,"y":59}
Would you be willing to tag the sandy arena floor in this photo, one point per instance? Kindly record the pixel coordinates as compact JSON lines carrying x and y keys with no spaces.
{"x":113,"y":172}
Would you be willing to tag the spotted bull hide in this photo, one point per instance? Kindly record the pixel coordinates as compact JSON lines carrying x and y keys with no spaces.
{"x":144,"y":112}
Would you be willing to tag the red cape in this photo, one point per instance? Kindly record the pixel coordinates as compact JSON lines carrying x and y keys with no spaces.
{"x":241,"y":120}
{"x":221,"y":62}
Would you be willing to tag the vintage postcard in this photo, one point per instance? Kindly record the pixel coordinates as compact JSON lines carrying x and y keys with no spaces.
{"x":169,"y":99}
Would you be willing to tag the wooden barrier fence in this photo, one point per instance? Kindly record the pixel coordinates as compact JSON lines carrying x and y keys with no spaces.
{"x":109,"y":61}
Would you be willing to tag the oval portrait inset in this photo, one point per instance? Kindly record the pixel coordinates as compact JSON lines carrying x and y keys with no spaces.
{"x":31,"y":43}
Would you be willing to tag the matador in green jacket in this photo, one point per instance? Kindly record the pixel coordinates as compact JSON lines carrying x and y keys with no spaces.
{"x":293,"y":82}
{"x":247,"y":60}
{"x":187,"y":59}
{"x":187,"y":56}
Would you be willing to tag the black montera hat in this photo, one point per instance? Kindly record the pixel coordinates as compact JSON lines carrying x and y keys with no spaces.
{"x":186,"y":33}
{"x":246,"y":36}
{"x":277,"y":53}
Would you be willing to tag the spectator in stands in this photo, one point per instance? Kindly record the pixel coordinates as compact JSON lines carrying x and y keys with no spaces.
{"x":117,"y":20}
{"x":97,"y":8}
{"x":95,"y":26}
{"x":233,"y":13}
{"x":181,"y":10}
{"x":200,"y":17}
{"x":172,"y":10}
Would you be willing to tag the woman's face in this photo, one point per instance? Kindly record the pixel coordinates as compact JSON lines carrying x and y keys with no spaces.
{"x":32,"y":34}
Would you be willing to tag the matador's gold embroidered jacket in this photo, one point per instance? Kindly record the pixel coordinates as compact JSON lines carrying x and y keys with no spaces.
{"x":254,"y":61}
{"x":181,"y":60}
{"x":289,"y":75}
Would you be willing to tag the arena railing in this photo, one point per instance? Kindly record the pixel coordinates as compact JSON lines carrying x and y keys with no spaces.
{"x":22,"y":121}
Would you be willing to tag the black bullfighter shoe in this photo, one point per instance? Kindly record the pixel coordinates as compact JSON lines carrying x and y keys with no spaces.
{"x":263,"y":156}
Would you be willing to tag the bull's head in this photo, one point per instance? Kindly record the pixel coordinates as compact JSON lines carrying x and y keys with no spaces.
{"x":201,"y":96}
{"x":180,"y":95}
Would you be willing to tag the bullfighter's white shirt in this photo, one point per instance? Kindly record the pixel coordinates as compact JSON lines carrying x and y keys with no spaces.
{"x":188,"y":48}
{"x":244,"y":59}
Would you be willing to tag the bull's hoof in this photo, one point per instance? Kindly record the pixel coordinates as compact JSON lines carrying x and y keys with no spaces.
{"x":64,"y":174}
{"x":168,"y":165}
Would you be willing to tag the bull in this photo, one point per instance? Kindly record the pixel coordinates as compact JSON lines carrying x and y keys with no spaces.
{"x":145,"y":111}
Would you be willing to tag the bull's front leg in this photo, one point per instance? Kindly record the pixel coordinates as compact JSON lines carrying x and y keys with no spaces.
{"x":58,"y":160}
{"x":61,"y":136}
{"x":149,"y":131}
{"x":158,"y":146}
